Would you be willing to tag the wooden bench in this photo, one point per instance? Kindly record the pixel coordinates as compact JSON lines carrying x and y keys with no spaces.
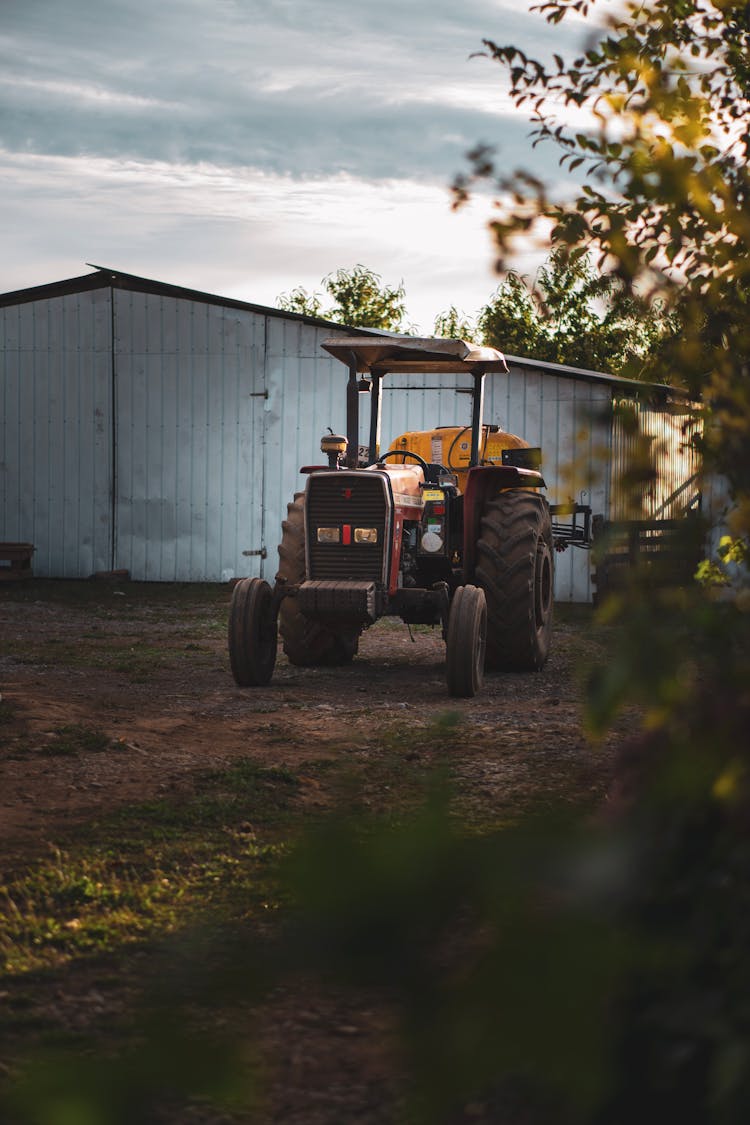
{"x":15,"y":561}
{"x":667,"y":552}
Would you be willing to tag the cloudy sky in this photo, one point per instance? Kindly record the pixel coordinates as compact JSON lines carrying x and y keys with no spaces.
{"x":244,"y":147}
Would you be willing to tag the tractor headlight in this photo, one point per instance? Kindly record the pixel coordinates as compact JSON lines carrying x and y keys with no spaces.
{"x":329,"y":534}
{"x":365,"y":535}
{"x":431,"y":542}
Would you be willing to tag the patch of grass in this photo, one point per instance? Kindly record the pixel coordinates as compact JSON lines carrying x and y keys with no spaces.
{"x":150,"y":870}
{"x":118,"y":597}
{"x":442,"y":733}
{"x":7,"y":713}
{"x":77,"y":738}
{"x":140,"y":662}
{"x":137,"y":660}
{"x":246,"y":794}
{"x":70,"y":905}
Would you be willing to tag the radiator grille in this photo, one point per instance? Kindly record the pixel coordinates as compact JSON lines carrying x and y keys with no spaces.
{"x":354,"y":500}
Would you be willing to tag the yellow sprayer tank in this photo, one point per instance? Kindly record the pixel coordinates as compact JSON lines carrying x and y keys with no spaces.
{"x":451,"y":446}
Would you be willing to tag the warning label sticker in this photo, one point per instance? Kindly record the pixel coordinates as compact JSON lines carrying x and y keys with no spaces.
{"x":436,"y":450}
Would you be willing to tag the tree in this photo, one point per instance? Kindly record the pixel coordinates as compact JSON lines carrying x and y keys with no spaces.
{"x":300,"y":301}
{"x":576,"y":316}
{"x":454,"y":325}
{"x":360,"y":298}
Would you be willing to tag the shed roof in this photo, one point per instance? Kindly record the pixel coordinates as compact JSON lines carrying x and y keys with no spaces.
{"x":104,"y":277}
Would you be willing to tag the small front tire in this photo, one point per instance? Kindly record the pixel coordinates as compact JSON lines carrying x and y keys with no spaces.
{"x":466,"y":642}
{"x":252,"y":633}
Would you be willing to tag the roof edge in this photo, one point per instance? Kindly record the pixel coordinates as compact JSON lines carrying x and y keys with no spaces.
{"x":53,"y":289}
{"x":586,"y":375}
{"x":119,"y":279}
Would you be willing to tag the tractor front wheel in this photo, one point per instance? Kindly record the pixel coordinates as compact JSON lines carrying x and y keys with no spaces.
{"x":515,"y":569}
{"x":465,"y":645}
{"x":306,"y":642}
{"x":252,"y":633}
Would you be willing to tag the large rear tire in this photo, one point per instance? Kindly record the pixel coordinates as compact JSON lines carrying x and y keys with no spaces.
{"x":252,"y":633}
{"x":515,"y":569}
{"x":465,"y":644}
{"x":306,"y":642}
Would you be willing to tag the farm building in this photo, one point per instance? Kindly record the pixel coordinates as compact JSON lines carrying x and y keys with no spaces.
{"x":159,"y":430}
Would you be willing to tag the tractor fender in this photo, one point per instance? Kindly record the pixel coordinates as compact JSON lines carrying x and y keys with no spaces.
{"x":482,"y":482}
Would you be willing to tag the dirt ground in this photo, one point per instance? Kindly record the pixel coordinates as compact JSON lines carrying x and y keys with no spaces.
{"x":147,"y":670}
{"x":169,"y":706}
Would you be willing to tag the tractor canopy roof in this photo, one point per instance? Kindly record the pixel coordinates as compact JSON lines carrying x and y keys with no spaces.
{"x":380,"y":355}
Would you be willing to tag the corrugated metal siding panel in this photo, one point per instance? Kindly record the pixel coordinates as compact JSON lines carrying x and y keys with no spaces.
{"x":407,"y":405}
{"x":55,"y":482}
{"x":190,"y":380}
{"x":568,"y":418}
{"x":675,"y":460}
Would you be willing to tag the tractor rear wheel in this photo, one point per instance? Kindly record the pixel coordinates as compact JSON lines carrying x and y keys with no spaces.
{"x":515,"y":569}
{"x":465,"y":644}
{"x":306,"y":642}
{"x":252,"y":633}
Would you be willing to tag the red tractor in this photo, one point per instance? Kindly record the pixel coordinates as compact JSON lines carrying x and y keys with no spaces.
{"x":448,"y":527}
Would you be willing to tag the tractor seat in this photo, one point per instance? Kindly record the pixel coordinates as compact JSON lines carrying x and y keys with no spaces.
{"x":438,"y":474}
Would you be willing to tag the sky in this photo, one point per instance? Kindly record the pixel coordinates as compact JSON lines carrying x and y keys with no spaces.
{"x":245,"y":147}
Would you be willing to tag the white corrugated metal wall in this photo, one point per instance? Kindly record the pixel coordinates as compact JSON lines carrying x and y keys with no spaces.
{"x":56,"y":431}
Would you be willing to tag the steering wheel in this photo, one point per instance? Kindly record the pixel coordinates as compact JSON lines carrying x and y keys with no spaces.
{"x":403,"y":453}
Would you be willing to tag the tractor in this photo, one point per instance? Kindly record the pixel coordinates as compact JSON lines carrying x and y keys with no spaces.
{"x":448,"y":527}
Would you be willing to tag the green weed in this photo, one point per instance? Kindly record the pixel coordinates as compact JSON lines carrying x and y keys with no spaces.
{"x":149,"y":869}
{"x":76,"y":738}
{"x":7,"y":713}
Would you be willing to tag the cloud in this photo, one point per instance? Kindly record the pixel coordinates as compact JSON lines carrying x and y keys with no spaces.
{"x":248,"y":146}
{"x":306,"y":88}
{"x":243,"y":233}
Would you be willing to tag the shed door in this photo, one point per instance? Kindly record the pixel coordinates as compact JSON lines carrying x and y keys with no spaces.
{"x":189,"y":399}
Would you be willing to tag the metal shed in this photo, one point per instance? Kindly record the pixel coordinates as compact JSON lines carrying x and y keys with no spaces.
{"x":160,"y":430}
